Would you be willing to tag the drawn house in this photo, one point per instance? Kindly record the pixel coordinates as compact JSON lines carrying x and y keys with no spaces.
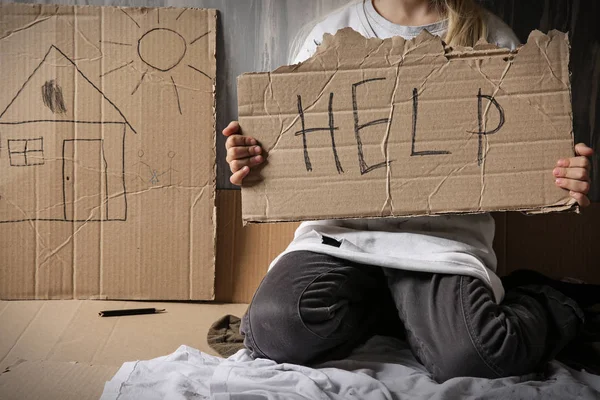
{"x":62,"y":148}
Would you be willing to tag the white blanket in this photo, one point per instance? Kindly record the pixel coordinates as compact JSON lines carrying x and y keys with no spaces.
{"x":383,"y":368}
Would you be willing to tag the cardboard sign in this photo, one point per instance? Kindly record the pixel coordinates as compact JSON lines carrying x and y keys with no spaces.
{"x":377,"y":128}
{"x":107,"y":152}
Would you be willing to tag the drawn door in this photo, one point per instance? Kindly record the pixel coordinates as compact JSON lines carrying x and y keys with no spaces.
{"x":84,"y":167}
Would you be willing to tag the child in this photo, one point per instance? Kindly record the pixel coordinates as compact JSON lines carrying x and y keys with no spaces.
{"x":328,"y":293}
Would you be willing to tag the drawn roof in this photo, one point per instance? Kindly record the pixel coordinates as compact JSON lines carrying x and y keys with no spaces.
{"x":58,"y":71}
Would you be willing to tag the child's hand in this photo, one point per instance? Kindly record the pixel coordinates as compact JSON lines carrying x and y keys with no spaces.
{"x":242,"y":153}
{"x":573,"y":174}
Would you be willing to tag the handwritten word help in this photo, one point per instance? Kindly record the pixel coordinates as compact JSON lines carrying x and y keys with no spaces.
{"x":360,"y":125}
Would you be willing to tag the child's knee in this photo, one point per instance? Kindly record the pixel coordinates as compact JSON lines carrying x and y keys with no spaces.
{"x":263,"y":328}
{"x":272,"y":328}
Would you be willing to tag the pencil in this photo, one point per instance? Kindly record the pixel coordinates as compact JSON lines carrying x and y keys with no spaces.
{"x":131,"y":311}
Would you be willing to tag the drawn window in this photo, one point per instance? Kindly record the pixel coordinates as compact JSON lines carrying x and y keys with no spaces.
{"x":26,"y":152}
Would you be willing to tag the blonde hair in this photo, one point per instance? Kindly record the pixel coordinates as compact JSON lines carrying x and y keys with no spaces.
{"x":466,"y":24}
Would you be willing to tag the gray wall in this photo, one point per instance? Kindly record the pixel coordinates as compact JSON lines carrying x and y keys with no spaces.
{"x":254,"y":36}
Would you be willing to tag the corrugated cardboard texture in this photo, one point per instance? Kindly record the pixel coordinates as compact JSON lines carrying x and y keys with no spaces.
{"x":64,"y":350}
{"x":107,"y":153}
{"x":244,"y":252}
{"x":559,"y":245}
{"x":372,"y":128}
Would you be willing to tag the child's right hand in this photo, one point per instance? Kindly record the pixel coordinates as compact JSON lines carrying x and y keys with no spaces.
{"x":243,"y":153}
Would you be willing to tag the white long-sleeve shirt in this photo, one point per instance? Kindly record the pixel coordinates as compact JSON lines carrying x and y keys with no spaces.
{"x":449,"y":244}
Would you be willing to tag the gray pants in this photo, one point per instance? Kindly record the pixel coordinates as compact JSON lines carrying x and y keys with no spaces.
{"x":313,"y":307}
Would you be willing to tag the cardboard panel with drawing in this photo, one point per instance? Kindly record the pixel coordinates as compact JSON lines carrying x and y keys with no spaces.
{"x":107,"y":152}
{"x":376,"y":128}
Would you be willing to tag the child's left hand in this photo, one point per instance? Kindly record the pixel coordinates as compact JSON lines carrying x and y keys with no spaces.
{"x":573,"y":174}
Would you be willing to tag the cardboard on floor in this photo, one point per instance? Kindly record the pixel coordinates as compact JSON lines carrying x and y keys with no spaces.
{"x":63,"y":350}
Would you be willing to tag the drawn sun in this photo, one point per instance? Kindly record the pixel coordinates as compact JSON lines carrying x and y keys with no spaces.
{"x":160,"y":50}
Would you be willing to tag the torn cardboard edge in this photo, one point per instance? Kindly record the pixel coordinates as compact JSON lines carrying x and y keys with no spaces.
{"x":481,"y":49}
{"x":568,"y":208}
{"x":372,"y":54}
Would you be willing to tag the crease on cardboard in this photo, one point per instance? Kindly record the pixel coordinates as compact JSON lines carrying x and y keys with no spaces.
{"x":375,"y":50}
{"x":100,"y":349}
{"x":278,"y":105}
{"x":389,"y":202}
{"x":38,"y":19}
{"x":434,"y":72}
{"x":544,"y":52}
{"x":267,"y":203}
{"x":283,"y":132}
{"x":14,"y":365}
{"x":58,"y":341}
{"x":281,"y":129}
{"x":320,"y":95}
{"x":55,"y":251}
{"x":87,"y":41}
{"x":197,"y":198}
{"x":10,"y":349}
{"x":268,"y":87}
{"x":39,"y":240}
{"x":441,"y":183}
